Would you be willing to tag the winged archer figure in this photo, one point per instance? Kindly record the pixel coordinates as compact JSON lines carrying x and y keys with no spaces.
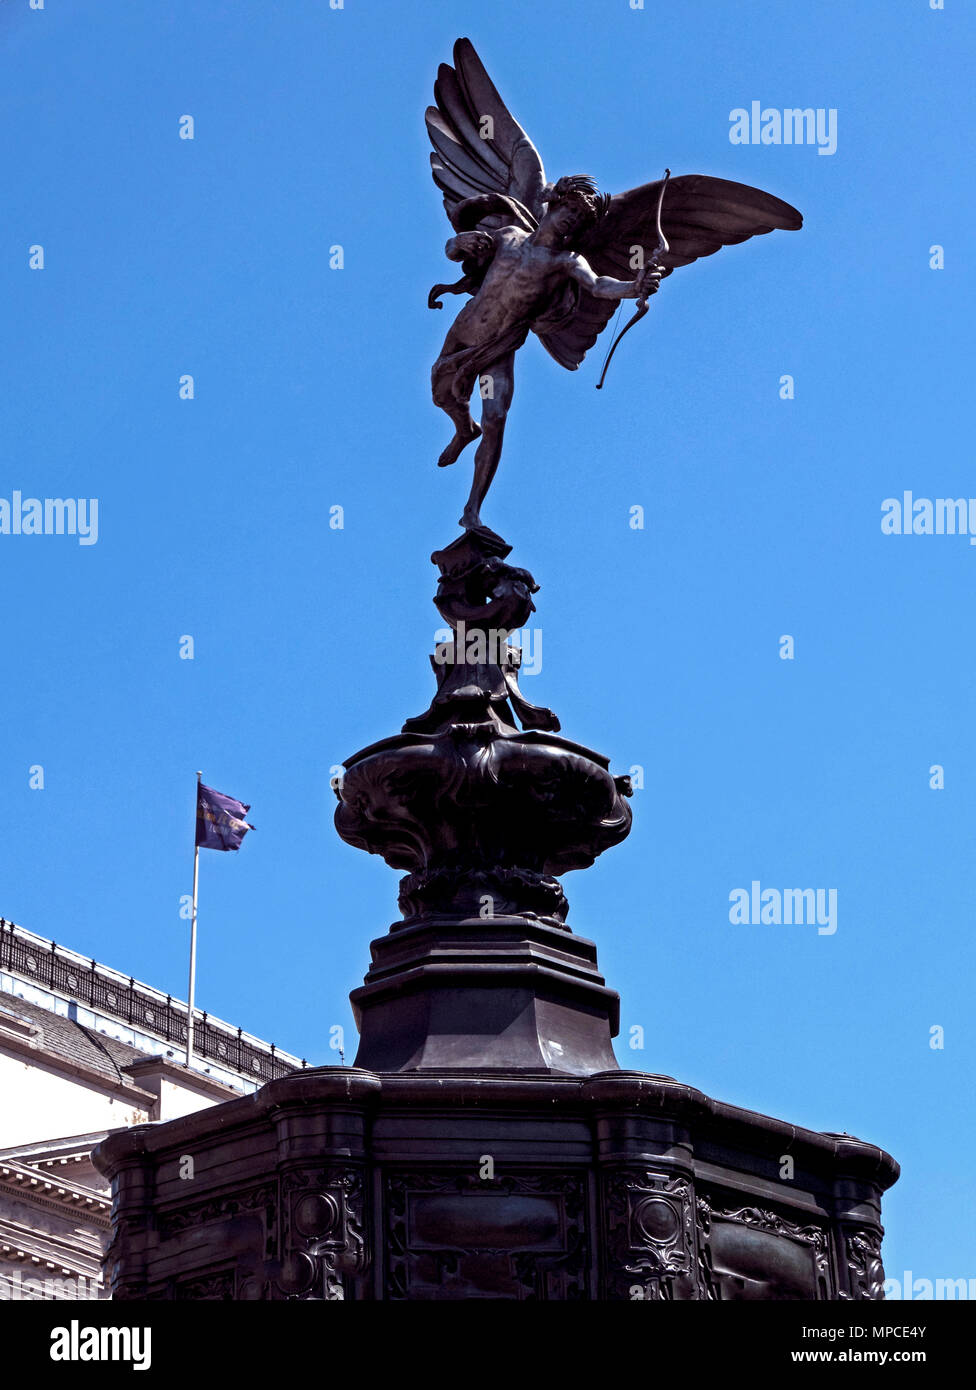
{"x":550,"y":258}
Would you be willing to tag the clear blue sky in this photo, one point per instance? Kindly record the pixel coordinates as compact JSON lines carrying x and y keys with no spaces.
{"x":661,"y":646}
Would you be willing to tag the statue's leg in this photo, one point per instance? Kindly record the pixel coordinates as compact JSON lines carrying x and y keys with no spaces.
{"x":497,"y":387}
{"x":465,"y":429}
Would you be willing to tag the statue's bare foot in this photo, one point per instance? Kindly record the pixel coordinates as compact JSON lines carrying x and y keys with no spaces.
{"x":470,"y":520}
{"x":460,"y":441}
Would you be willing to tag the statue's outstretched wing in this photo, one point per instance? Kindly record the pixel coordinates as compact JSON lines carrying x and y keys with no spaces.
{"x":478,"y":145}
{"x":699,"y":215}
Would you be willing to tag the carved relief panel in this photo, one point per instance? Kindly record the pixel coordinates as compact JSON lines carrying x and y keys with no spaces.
{"x":454,"y":1235}
{"x":649,"y":1221}
{"x":323,"y":1256}
{"x":754,"y":1253}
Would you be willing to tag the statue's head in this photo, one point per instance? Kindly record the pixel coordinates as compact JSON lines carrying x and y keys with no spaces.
{"x":574,"y":206}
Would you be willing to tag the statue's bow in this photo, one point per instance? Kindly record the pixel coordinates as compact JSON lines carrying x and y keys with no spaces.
{"x":660,"y":247}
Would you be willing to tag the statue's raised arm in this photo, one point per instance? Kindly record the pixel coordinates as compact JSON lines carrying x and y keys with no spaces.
{"x":554,"y":259}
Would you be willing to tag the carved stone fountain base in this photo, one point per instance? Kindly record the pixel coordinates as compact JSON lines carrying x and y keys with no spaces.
{"x":343,"y":1183}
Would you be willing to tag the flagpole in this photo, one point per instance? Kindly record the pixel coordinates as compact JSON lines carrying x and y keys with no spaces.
{"x":193,"y":932}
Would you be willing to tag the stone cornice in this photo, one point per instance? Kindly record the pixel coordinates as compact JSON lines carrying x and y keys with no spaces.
{"x":25,"y":1248}
{"x":661,"y":1097}
{"x":181,"y":1076}
{"x":34,"y":1186}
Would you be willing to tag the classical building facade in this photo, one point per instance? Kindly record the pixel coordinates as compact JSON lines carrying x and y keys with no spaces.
{"x":85,"y":1051}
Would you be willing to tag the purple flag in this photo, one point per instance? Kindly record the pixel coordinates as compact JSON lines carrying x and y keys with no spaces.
{"x":220,"y":820}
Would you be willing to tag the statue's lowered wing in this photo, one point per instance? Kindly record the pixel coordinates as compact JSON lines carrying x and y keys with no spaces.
{"x":479,"y":147}
{"x":699,"y":216}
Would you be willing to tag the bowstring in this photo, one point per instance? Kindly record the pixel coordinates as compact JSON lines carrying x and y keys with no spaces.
{"x":613,"y":338}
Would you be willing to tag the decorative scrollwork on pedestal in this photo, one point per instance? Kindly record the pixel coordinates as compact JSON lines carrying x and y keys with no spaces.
{"x":477,"y":810}
{"x":485,"y":601}
{"x":865,"y":1271}
{"x":326,"y":1256}
{"x":207,"y":1288}
{"x":254,"y":1199}
{"x":450,"y":892}
{"x":650,"y":1226}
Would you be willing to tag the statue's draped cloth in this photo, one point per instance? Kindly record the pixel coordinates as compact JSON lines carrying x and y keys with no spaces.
{"x":455,"y":373}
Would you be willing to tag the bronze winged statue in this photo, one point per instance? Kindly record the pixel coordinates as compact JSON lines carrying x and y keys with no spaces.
{"x":551,"y":258}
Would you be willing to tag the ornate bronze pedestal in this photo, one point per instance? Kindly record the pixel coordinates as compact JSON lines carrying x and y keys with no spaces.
{"x":347,"y":1184}
{"x":485,"y":1145}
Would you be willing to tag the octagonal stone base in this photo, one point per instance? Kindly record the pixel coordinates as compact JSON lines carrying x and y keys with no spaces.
{"x":350,"y":1184}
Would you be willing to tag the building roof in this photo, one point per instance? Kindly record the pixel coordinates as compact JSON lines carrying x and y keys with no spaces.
{"x":70,"y":1040}
{"x":110,"y":1010}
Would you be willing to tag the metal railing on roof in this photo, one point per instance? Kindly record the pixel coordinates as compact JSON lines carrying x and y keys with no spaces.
{"x":141,"y":1007}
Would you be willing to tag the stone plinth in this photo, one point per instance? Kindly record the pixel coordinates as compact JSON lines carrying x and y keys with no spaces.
{"x":499,"y":995}
{"x":350,"y":1184}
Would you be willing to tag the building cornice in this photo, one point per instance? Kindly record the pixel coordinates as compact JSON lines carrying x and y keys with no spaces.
{"x":61,"y":1196}
{"x":22,"y":1246}
{"x":182,"y":1076}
